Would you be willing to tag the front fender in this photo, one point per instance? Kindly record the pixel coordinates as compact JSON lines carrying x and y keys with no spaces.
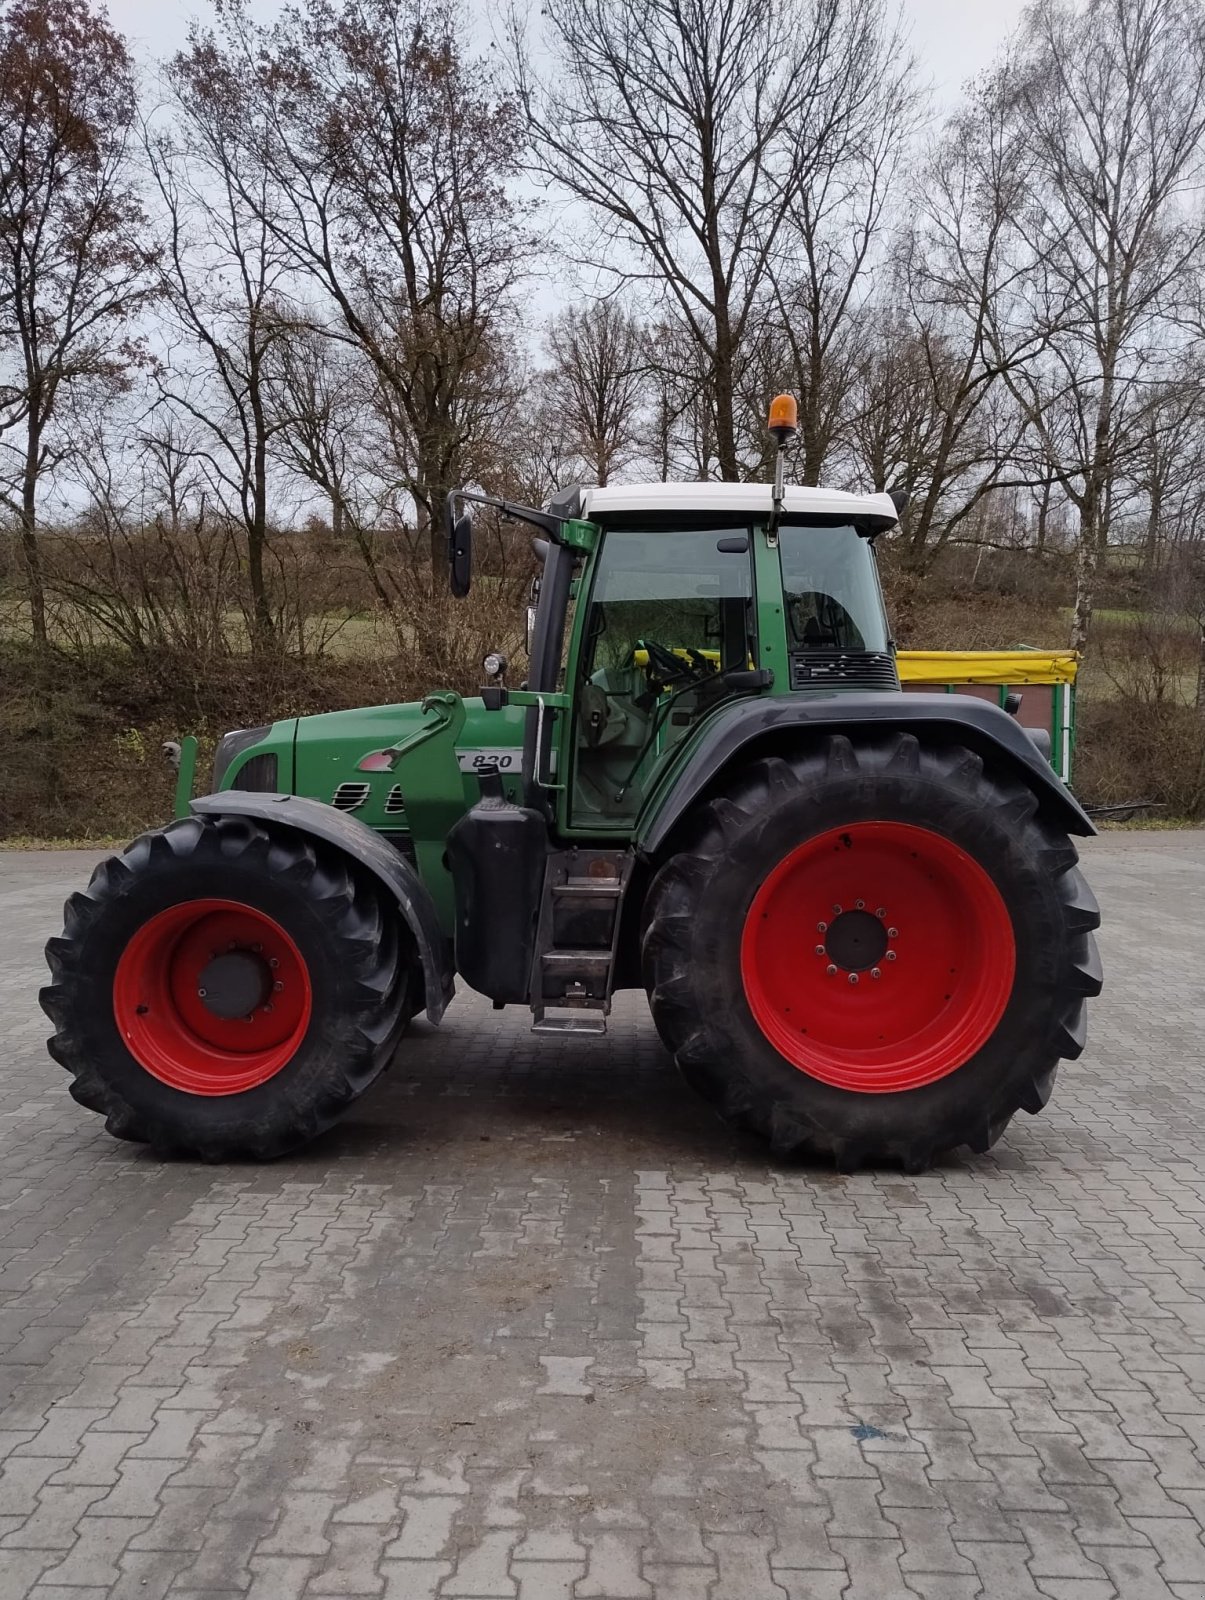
{"x":369,"y":850}
{"x":748,"y":728}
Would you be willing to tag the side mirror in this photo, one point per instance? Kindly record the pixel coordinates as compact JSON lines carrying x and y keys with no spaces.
{"x":460,"y":547}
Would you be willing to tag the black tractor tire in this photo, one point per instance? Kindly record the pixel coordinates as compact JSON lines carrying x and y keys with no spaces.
{"x":700,"y":898}
{"x":352,"y":947}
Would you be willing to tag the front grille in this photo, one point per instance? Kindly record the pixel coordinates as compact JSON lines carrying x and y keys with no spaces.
{"x":257,"y":774}
{"x":351,"y":796}
{"x":394,"y":803}
{"x":844,"y":669}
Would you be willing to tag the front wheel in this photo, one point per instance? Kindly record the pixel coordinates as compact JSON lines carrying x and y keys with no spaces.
{"x":225,"y":989}
{"x":872,"y":950}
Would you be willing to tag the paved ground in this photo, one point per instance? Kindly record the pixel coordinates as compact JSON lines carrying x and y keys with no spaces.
{"x":531,"y":1324}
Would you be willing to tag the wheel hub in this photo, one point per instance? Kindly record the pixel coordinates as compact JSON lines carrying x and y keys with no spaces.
{"x":212,"y":996}
{"x":825,"y":944}
{"x":235,"y":984}
{"x":856,"y":940}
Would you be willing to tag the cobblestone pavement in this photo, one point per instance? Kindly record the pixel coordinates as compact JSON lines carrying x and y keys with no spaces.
{"x":531,"y":1324}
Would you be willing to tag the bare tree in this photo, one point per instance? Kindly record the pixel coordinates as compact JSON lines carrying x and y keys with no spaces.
{"x":72,"y":257}
{"x":936,"y":402}
{"x":1111,"y":102}
{"x":686,"y":127}
{"x":391,"y":155}
{"x":829,"y":243}
{"x":328,"y":433}
{"x":226,"y":279}
{"x":674,"y":401}
{"x":598,"y":374}
{"x":541,"y":455}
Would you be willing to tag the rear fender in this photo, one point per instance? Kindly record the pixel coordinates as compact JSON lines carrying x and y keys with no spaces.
{"x":748,"y":729}
{"x":367,"y":849}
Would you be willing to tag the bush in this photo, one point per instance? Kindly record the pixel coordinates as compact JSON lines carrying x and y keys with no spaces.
{"x":1141,"y":733}
{"x":1130,"y":750}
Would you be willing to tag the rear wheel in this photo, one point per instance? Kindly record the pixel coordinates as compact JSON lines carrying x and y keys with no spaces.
{"x":872,"y":950}
{"x":225,"y":989}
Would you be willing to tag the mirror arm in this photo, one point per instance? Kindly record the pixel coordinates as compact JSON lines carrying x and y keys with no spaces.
{"x":547,"y":521}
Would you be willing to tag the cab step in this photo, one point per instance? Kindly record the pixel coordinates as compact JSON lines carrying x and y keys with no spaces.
{"x":576,"y":940}
{"x":593,"y":1023}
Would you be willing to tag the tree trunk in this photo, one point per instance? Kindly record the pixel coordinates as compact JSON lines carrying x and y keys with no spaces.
{"x":1201,"y":668}
{"x":1095,"y":511}
{"x":257,"y":533}
{"x":1043,"y":518}
{"x":724,"y":385}
{"x":261,"y":613}
{"x":34,"y":582}
{"x":1086,"y":564}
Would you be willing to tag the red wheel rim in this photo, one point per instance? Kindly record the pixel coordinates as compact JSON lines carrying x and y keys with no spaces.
{"x":878,"y":957}
{"x":166,"y":1015}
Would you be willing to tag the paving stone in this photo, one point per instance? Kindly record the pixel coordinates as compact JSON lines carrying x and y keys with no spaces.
{"x":546,"y":1580}
{"x":531,"y":1324}
{"x":613,"y":1569}
{"x":483,"y":1570}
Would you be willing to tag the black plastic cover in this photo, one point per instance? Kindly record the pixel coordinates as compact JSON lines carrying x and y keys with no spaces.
{"x":497,"y":853}
{"x":753,"y":727}
{"x":233,"y":744}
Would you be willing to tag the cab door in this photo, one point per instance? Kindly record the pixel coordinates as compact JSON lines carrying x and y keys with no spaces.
{"x":670,"y":609}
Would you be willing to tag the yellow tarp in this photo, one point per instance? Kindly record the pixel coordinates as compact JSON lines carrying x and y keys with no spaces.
{"x":987,"y":666}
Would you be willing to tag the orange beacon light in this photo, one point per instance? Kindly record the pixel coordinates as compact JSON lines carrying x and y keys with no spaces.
{"x":784,"y":417}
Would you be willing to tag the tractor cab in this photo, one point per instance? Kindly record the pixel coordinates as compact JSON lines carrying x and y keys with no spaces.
{"x":660,"y":604}
{"x":688,"y":605}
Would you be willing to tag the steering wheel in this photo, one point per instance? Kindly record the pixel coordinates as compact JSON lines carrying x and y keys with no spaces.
{"x":670,"y":666}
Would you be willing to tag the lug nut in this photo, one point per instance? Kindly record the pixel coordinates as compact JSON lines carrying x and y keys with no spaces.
{"x":881,"y":912}
{"x":890,"y":956}
{"x":272,"y":961}
{"x":875,"y":972}
{"x":853,"y":977}
{"x":268,"y":1004}
{"x":822,"y":927}
{"x":256,"y":948}
{"x":893,"y":933}
{"x":830,"y":971}
{"x":819,"y":949}
{"x":859,"y":905}
{"x":836,"y":911}
{"x":201,"y":994}
{"x":278,"y":987}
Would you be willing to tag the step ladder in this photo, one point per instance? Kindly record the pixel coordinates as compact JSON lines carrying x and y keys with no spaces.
{"x":577,"y":938}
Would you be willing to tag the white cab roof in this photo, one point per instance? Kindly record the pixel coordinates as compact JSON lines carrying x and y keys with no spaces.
{"x":751,"y":499}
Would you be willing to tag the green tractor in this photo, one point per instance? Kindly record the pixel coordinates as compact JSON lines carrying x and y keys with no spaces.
{"x":856,"y":913}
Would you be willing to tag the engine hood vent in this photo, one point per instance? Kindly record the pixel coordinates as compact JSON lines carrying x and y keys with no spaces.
{"x":351,"y":796}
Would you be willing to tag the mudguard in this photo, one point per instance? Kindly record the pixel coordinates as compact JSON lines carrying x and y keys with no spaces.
{"x":767,"y":723}
{"x":371,"y":851}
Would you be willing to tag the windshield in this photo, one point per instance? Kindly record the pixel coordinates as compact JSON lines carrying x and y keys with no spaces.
{"x":831,"y":589}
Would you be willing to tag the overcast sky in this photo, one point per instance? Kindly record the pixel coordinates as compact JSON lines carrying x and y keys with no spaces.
{"x":952,"y":38}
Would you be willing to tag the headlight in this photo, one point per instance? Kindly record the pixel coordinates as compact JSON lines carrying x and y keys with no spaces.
{"x":494,"y":665}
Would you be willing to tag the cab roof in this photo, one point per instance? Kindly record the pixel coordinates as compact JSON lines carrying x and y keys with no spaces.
{"x":751,"y":499}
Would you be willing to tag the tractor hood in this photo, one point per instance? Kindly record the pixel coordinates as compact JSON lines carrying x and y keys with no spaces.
{"x":332,"y":755}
